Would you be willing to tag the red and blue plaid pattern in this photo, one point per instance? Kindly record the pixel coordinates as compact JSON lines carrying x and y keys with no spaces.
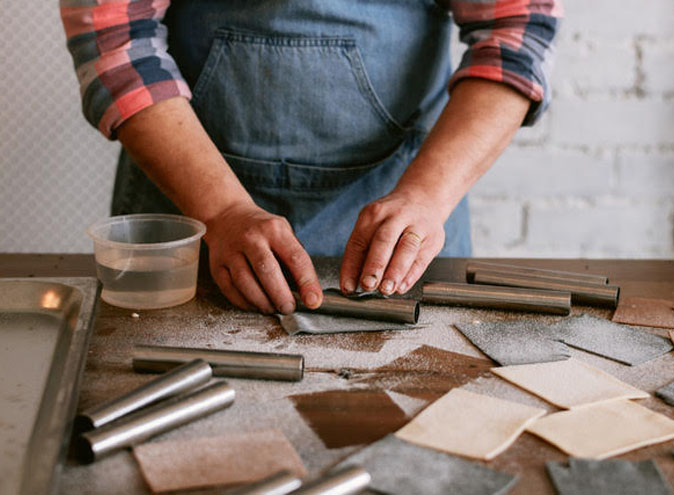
{"x":510,"y":42}
{"x":119,"y":48}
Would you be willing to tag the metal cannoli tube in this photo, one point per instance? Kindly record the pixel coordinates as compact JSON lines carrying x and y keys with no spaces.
{"x":475,"y":266}
{"x":347,"y":481}
{"x":370,"y":308}
{"x":581,"y":292}
{"x":490,"y":296}
{"x":159,"y":418}
{"x":239,"y":364}
{"x":175,"y":382}
{"x":280,"y":483}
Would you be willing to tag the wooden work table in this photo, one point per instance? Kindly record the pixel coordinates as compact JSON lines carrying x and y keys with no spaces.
{"x":357,"y":387}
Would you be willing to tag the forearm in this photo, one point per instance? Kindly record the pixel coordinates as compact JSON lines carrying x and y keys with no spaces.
{"x":477,"y":124}
{"x":247,"y":244}
{"x":171,"y":146}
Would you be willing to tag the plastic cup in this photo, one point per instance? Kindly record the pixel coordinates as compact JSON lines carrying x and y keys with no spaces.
{"x":147,"y":261}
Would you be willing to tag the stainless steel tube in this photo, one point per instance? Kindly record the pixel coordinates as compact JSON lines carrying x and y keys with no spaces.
{"x":161,"y":417}
{"x":175,"y":382}
{"x":490,"y":296}
{"x":347,"y":481}
{"x":581,"y":292}
{"x":239,"y":364}
{"x":474,"y":266}
{"x":280,"y":483}
{"x":370,"y":308}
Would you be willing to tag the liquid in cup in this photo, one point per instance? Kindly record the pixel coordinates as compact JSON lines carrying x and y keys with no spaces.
{"x":147,"y":275}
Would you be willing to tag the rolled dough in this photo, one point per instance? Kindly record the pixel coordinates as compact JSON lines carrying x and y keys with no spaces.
{"x":469,"y":424}
{"x":296,"y":323}
{"x":604,"y":430}
{"x":568,"y":384}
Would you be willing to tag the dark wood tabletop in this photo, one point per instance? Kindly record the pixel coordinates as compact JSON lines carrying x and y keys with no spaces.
{"x":360,"y":410}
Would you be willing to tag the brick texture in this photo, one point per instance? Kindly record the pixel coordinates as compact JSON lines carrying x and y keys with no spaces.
{"x":595,"y":178}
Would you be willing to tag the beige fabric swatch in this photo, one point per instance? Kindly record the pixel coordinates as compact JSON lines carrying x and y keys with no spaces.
{"x":469,"y":424}
{"x":604,"y":430}
{"x":223,"y":460}
{"x":568,"y":384}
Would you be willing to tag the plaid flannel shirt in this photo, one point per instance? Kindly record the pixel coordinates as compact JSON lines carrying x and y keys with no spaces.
{"x":119,"y":48}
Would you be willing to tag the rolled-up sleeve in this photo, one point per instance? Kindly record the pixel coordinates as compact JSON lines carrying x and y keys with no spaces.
{"x":509,"y":41}
{"x":119,"y":49}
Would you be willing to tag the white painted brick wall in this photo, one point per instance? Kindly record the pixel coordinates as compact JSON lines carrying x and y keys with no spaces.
{"x":657,"y":66}
{"x":595,"y":178}
{"x":619,"y":20}
{"x":592,"y":228}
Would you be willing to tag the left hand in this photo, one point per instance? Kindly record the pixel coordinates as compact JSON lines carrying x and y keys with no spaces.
{"x":394,"y":240}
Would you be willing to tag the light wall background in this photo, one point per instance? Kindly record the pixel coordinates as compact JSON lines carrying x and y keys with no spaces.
{"x":595,"y":178}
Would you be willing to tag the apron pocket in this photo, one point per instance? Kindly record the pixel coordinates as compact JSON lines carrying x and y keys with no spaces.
{"x":296,"y":99}
{"x":298,"y":177}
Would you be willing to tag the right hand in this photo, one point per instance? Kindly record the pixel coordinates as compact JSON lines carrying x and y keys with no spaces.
{"x":245,"y":245}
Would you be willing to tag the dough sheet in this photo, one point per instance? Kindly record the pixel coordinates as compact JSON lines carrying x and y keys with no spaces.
{"x":614,"y":477}
{"x":622,"y":343}
{"x":604,"y":430}
{"x":469,"y":424}
{"x":515,"y":342}
{"x":666,"y":393}
{"x":224,"y":460}
{"x":568,"y":384}
{"x":401,"y":468}
{"x":644,"y":311}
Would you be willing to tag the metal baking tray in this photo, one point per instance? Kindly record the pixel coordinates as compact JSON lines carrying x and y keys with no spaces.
{"x":45,"y":325}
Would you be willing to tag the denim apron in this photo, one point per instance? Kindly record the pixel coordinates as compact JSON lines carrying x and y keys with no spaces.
{"x":318,"y":106}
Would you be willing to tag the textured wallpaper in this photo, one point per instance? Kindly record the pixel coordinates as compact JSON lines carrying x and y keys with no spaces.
{"x":56,"y":172}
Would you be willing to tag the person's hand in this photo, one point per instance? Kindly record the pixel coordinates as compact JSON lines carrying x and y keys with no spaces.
{"x":392,"y":243}
{"x":245,"y":245}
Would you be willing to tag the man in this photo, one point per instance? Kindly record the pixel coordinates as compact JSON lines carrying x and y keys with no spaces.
{"x":314,"y":127}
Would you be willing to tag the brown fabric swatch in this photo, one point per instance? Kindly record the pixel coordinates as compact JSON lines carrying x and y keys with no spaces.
{"x":223,"y":460}
{"x":645,"y":312}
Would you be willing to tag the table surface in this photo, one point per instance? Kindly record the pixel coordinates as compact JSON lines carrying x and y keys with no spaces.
{"x":357,"y":387}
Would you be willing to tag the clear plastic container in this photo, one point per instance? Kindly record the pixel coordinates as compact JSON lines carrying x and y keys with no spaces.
{"x":147,"y":261}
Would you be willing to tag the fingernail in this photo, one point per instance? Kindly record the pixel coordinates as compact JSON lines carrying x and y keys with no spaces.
{"x":403,"y":287}
{"x":287,"y":307}
{"x":349,"y":286}
{"x":369,"y":282}
{"x":387,"y":286}
{"x":311,"y":300}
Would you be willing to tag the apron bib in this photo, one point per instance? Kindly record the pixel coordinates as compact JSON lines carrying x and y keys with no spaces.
{"x":318,"y":107}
